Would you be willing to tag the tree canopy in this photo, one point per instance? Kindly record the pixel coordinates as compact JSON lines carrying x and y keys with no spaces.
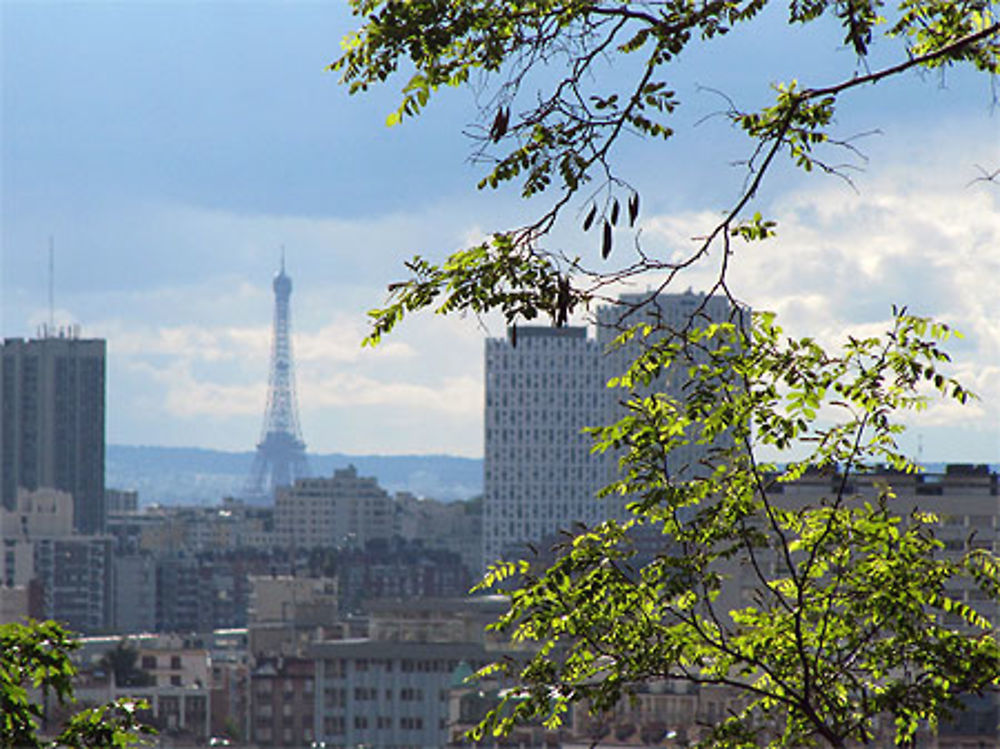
{"x":556,"y":108}
{"x":36,"y":656}
{"x":846,"y":624}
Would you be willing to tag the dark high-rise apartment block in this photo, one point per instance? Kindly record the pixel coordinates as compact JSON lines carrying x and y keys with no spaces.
{"x":52,"y":422}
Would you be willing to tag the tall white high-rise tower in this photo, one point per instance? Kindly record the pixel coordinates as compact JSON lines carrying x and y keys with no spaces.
{"x":542,"y":389}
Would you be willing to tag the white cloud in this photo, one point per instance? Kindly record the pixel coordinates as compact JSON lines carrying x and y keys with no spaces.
{"x":193,"y":349}
{"x":188,"y":398}
{"x":461,"y":395}
{"x":915,"y":235}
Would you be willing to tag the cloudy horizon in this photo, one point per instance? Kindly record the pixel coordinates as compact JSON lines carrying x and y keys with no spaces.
{"x":171,"y":161}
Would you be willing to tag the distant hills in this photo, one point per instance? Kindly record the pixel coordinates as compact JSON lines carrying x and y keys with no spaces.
{"x":189,"y":475}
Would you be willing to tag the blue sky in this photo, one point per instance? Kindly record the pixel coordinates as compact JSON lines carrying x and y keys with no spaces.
{"x":171,"y":149}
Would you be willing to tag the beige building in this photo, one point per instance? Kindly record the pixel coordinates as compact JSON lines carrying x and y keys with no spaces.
{"x":310,"y":601}
{"x":341,"y":511}
{"x":179,"y":688}
{"x":286,"y":613}
{"x":445,"y":526}
{"x":965,"y":499}
{"x":44,"y":513}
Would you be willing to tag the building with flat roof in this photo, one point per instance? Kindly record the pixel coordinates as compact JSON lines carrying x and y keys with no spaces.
{"x":340,"y":511}
{"x":52,"y":422}
{"x":71,"y":572}
{"x":392,"y":689}
{"x":544,"y":386}
{"x":670,"y":316}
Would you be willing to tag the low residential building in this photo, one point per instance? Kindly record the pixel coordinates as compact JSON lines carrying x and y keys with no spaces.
{"x":72,"y":571}
{"x":176,"y":682}
{"x":282,"y":698}
{"x":391,"y":689}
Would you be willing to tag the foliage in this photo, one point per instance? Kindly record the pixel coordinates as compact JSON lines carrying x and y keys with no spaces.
{"x":565,"y":80}
{"x":844,"y":625}
{"x":845,"y":621}
{"x":36,"y":656}
{"x":122,"y":662}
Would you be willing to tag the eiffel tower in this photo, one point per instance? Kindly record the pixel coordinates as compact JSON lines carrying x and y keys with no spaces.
{"x":281,"y":452}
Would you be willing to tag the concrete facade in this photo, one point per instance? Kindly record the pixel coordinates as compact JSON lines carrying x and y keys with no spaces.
{"x":391,"y":689}
{"x":668,"y":314}
{"x":344,"y":510}
{"x":543,"y":387}
{"x":52,"y":422}
{"x":71,"y":571}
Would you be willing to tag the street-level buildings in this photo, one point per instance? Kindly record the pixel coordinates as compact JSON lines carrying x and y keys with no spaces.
{"x":392,"y":689}
{"x":282,"y":702}
{"x":173,"y":674}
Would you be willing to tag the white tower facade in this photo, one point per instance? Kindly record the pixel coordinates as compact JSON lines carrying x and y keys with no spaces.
{"x":543,"y":387}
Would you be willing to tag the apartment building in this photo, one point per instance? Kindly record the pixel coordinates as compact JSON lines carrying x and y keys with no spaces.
{"x":52,"y":421}
{"x":343,"y":510}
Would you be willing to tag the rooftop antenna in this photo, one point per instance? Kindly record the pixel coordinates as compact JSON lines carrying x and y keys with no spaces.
{"x":920,"y":450}
{"x":52,"y":284}
{"x":282,"y":259}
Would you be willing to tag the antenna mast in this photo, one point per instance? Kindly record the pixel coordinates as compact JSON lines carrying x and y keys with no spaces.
{"x":52,"y":285}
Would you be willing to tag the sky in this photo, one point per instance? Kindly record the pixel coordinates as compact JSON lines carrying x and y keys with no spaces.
{"x":170,"y":150}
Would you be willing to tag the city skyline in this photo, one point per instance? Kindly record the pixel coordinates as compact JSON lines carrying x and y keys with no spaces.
{"x":168,"y":197}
